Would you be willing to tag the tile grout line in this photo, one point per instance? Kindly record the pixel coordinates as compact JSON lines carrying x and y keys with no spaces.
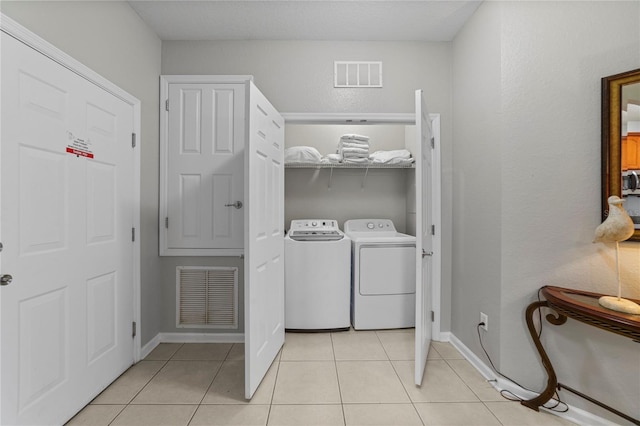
{"x":462,"y":378}
{"x":398,"y":376}
{"x":275,"y":381}
{"x":335,"y":364}
{"x":210,"y":384}
{"x":166,"y":361}
{"x":395,"y":370}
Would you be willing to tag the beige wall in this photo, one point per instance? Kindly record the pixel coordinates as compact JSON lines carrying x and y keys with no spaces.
{"x":477,"y":179}
{"x":110,"y":38}
{"x":535,"y":156}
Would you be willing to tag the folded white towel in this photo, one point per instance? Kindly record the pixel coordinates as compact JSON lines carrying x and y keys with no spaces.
{"x":355,"y":160}
{"x":353,"y":136}
{"x":398,"y":156}
{"x":355,"y":151}
{"x":350,"y":146}
{"x":332,"y":158}
{"x":302,"y":154}
{"x":355,"y":156}
{"x":354,"y":141}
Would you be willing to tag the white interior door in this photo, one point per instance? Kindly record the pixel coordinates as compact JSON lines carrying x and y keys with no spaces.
{"x":264,"y":239}
{"x":202,"y":171}
{"x":424,"y":236}
{"x":67,"y":214}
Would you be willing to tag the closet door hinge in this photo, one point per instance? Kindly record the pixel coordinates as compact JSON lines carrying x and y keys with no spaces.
{"x":166,"y":222}
{"x":433,"y":142}
{"x":433,"y":316}
{"x":133,"y":140}
{"x":133,"y":234}
{"x":433,"y":230}
{"x":166,"y":105}
{"x":134,"y":330}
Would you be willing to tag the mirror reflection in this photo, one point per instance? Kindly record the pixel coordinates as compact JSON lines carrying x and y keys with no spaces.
{"x":630,"y":149}
{"x":621,"y":143}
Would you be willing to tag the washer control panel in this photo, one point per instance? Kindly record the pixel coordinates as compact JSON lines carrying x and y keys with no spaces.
{"x":314,"y":224}
{"x":369,"y":225}
{"x":315,"y":230}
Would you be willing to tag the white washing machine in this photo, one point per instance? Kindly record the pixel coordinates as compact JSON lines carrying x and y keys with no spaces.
{"x":383,"y":275}
{"x":317,"y":276}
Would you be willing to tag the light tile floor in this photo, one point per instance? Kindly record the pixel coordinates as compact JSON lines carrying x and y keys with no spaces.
{"x":343,"y":378}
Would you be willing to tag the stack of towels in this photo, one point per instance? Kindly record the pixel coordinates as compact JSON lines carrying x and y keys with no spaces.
{"x":354,"y":148}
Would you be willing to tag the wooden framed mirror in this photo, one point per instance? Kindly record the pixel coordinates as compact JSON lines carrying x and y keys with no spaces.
{"x":621,"y":143}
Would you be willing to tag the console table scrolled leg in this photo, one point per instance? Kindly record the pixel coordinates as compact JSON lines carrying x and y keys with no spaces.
{"x":552,"y":380}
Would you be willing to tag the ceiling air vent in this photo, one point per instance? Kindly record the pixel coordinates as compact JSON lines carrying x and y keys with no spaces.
{"x":357,"y":74}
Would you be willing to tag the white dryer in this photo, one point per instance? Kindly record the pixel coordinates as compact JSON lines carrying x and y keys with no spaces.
{"x":317,"y":258}
{"x":383,"y":283}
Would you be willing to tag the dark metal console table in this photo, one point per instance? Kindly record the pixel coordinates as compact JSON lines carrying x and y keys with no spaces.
{"x":582,"y":306}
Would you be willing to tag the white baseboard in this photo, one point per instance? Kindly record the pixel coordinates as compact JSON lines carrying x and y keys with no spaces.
{"x":201,"y":337}
{"x":151,"y":345}
{"x":190,"y":338}
{"x":574,"y":414}
{"x":443,"y":336}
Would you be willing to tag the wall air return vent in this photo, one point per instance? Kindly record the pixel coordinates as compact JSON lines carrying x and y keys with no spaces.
{"x":207,"y":297}
{"x":357,"y":74}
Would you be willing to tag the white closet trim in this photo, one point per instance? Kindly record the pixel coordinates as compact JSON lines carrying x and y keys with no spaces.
{"x":347,"y":118}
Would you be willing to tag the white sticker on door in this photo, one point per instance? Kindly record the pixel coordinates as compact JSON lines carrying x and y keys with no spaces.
{"x":79,"y":147}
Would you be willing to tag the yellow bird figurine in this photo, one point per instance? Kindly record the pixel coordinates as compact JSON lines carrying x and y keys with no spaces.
{"x":618,"y":226}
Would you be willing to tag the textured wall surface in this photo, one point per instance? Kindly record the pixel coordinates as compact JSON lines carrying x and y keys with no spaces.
{"x":552,"y":56}
{"x":477,"y":180}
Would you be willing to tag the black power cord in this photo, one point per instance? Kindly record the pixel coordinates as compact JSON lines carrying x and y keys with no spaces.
{"x":510,"y":395}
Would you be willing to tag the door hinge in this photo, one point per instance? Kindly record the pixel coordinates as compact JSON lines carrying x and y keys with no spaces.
{"x":433,"y":230}
{"x":134,"y":330}
{"x":433,"y":316}
{"x":166,"y":105}
{"x":133,"y":234}
{"x":133,"y":140}
{"x":433,"y":142}
{"x":166,"y":222}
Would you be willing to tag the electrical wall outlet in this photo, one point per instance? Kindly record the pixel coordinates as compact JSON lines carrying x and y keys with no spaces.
{"x":484,"y":319}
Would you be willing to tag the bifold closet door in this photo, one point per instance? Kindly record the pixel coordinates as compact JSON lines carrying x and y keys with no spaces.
{"x":424,"y":237}
{"x":264,"y":239}
{"x":67,"y":217}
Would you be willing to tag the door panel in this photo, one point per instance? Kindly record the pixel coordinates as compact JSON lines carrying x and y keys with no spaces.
{"x":264,"y":234}
{"x":204,"y":168}
{"x":424,"y":238}
{"x":67,"y":213}
{"x":42,"y":229}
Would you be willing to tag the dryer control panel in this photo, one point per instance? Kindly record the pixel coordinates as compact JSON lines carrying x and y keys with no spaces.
{"x":375,"y":226}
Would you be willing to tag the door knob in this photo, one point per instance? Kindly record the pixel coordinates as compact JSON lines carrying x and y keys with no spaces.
{"x":5,"y":279}
{"x":237,"y":205}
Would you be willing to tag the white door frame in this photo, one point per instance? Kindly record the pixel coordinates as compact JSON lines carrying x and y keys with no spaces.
{"x":399,"y":118}
{"x":17,"y":31}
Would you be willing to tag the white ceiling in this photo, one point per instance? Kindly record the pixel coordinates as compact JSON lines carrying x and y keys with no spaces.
{"x":378,"y":20}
